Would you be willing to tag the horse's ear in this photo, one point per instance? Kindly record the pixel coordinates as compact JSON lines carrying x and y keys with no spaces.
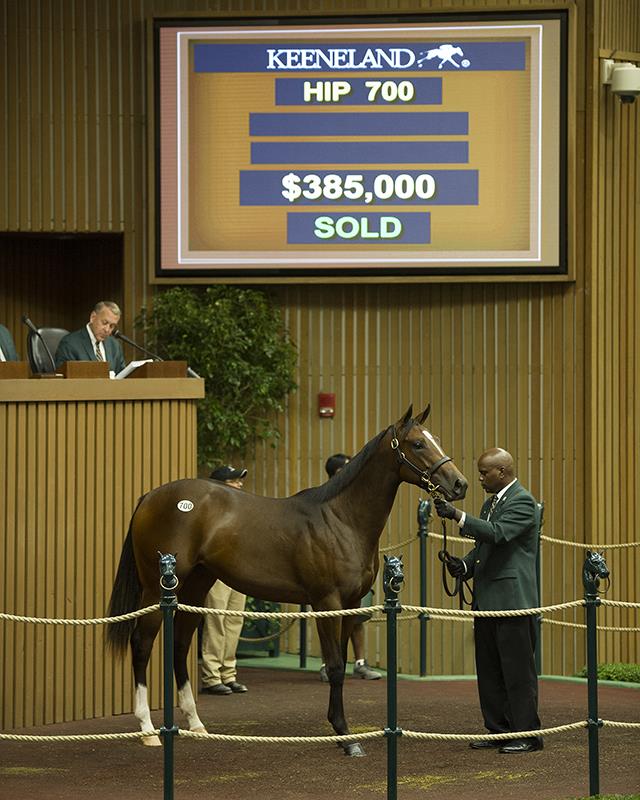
{"x":424,"y":414}
{"x":408,"y":414}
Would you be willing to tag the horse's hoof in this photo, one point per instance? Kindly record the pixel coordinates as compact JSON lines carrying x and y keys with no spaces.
{"x":199,"y":729}
{"x":152,"y":741}
{"x":354,"y":749}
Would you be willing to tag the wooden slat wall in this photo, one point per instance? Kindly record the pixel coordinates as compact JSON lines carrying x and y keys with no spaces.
{"x":614,"y":336}
{"x":72,"y":474}
{"x":550,"y":371}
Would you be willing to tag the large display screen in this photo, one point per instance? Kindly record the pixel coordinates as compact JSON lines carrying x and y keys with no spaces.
{"x":403,"y":148}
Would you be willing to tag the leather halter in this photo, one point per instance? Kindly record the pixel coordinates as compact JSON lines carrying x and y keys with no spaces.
{"x":424,"y":475}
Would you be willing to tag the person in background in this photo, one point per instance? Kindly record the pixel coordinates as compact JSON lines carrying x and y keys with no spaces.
{"x":360,"y":668}
{"x":220,"y":634}
{"x":94,"y":342}
{"x":503,"y":567}
{"x":7,"y":347}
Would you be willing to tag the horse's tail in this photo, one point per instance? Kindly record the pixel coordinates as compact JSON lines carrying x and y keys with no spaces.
{"x":125,"y":596}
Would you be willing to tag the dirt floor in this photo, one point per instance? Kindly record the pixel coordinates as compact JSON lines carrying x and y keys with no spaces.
{"x":293,"y":703}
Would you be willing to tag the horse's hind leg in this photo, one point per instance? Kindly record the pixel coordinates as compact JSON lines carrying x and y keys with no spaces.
{"x":334,"y":637}
{"x":142,"y":640}
{"x":185,"y":625}
{"x":194,"y":592}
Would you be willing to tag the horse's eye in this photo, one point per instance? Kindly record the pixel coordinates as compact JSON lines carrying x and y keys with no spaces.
{"x":418,"y":445}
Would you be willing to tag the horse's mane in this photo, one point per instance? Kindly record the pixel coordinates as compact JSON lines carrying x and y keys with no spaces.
{"x":344,"y":477}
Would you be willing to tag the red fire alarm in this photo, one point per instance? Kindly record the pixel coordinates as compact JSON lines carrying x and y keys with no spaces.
{"x":326,"y":404}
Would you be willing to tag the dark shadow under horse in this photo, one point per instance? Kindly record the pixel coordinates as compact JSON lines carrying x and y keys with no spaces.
{"x":318,"y":547}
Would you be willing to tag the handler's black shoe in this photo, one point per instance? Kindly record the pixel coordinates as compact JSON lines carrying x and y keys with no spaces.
{"x":219,"y":688}
{"x":487,"y":744}
{"x":236,"y":687}
{"x":523,"y":745}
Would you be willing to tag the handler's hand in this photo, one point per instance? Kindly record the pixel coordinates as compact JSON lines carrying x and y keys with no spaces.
{"x":444,"y":509}
{"x":456,"y":567}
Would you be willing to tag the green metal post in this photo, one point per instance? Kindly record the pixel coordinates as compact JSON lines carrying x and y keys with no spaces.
{"x":424,"y":513}
{"x":538,"y":621}
{"x":303,"y":639}
{"x":168,"y":605}
{"x":594,"y":568}
{"x":393,"y":577}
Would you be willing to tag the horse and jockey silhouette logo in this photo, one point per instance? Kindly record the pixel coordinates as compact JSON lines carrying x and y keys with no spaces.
{"x":446,"y":53}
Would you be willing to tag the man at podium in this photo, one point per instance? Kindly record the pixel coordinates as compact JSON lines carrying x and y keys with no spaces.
{"x":94,"y":342}
{"x":7,"y":347}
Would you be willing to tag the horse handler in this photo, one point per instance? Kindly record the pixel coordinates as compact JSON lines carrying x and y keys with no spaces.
{"x":503,"y":566}
{"x":220,"y":635}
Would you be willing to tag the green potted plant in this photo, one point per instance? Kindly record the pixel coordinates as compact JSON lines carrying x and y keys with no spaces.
{"x":236,"y":340}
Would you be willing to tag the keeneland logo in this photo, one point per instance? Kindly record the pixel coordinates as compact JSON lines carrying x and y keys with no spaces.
{"x":359,"y":58}
{"x":445,"y":53}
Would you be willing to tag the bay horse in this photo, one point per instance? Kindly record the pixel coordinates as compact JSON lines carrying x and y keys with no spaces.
{"x":318,"y":547}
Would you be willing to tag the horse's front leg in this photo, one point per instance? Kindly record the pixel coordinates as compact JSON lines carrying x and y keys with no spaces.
{"x":334,"y":637}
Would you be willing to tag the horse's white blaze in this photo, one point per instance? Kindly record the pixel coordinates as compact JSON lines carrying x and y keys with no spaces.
{"x":431,"y":438}
{"x":141,"y":709}
{"x":187,"y":705}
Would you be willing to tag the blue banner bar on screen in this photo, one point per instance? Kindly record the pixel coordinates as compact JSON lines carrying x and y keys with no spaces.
{"x":384,"y":57}
{"x":359,"y":152}
{"x":293,"y":91}
{"x":453,"y":187}
{"x":340,"y":229}
{"x":376,"y":123}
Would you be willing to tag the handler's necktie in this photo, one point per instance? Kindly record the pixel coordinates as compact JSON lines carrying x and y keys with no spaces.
{"x":99,"y":355}
{"x":492,"y":507}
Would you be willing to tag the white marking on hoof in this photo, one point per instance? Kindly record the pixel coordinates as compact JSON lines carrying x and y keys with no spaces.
{"x":152,"y":741}
{"x":187,"y":705}
{"x":143,"y":715}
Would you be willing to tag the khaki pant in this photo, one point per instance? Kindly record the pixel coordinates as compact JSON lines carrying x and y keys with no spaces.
{"x":220,"y":635}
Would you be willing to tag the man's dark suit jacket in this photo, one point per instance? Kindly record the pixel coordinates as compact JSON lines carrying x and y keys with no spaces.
{"x":7,"y":345}
{"x":503,"y":561}
{"x":77,"y":346}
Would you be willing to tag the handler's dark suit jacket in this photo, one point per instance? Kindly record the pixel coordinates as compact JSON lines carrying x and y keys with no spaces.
{"x":503,"y":561}
{"x":77,"y":346}
{"x":7,"y":345}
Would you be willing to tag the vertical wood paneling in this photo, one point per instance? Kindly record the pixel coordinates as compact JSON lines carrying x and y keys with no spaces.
{"x":613,"y":343}
{"x":61,"y":543}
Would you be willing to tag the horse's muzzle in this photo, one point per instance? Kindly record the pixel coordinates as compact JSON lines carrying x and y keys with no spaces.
{"x":458,"y":490}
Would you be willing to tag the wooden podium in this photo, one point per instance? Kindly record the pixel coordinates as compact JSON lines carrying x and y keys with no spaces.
{"x":85,"y":369}
{"x":160,"y":369}
{"x":10,"y":370}
{"x":76,"y":456}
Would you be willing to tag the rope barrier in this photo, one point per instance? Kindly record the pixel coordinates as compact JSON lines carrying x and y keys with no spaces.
{"x":398,"y":545}
{"x":87,"y":737}
{"x":543,"y":538}
{"x":223,"y":737}
{"x":415,"y":611}
{"x":466,"y":737}
{"x":98,"y":621}
{"x":345,"y":738}
{"x":590,"y":546}
{"x":619,"y":603}
{"x":276,"y":635}
{"x":598,"y":627}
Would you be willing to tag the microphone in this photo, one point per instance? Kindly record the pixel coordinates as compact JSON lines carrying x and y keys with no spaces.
{"x":33,"y":328}
{"x":119,"y":335}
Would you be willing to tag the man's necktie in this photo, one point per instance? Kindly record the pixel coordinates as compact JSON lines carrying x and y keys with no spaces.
{"x":492,"y":507}
{"x":99,"y":355}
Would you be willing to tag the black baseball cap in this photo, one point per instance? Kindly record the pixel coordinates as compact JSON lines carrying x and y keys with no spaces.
{"x":227,"y":473}
{"x":336,"y":462}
